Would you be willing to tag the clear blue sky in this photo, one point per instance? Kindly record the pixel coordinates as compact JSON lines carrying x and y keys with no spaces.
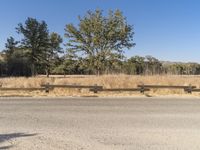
{"x":166,"y":29}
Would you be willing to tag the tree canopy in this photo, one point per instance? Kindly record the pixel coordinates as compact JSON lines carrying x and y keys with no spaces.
{"x":100,"y":38}
{"x":34,"y":42}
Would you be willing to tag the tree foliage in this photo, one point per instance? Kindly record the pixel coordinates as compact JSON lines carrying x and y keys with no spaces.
{"x":35,"y":41}
{"x":52,"y":52}
{"x":100,"y":38}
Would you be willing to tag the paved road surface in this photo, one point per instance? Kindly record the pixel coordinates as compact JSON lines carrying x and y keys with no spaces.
{"x":100,"y":124}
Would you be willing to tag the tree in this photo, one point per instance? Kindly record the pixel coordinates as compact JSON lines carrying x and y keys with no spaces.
{"x":10,"y":46}
{"x":153,"y":66}
{"x":52,"y":53}
{"x":17,"y":64}
{"x":99,"y":38}
{"x":35,"y":41}
{"x":137,"y":64}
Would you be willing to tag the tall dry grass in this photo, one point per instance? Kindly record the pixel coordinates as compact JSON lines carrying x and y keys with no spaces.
{"x":107,"y":81}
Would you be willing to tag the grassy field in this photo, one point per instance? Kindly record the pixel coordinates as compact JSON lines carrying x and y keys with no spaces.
{"x":107,"y":81}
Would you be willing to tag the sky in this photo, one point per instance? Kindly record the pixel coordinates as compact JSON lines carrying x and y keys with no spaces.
{"x":166,"y":29}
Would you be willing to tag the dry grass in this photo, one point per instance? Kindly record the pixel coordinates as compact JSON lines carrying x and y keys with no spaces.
{"x":107,"y":81}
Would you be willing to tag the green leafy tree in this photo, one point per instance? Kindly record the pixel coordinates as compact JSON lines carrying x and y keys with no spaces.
{"x":52,"y":52}
{"x":136,"y":65}
{"x":17,"y":64}
{"x":98,"y":38}
{"x":35,"y":41}
{"x":153,"y":66}
{"x":11,"y":46}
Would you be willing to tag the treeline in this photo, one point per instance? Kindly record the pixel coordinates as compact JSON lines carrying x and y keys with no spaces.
{"x":151,"y":66}
{"x":136,"y":65}
{"x":96,"y":45}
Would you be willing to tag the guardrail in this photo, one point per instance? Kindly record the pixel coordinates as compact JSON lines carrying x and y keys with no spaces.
{"x":188,"y":89}
{"x":195,"y":90}
{"x":21,"y":89}
{"x":141,"y":90}
{"x":96,"y":88}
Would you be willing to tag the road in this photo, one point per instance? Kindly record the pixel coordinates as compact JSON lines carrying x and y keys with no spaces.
{"x":100,"y":124}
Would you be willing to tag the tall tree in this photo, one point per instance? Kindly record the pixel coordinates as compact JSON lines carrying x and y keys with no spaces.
{"x":35,"y":41}
{"x":52,"y":53}
{"x":99,"y":38}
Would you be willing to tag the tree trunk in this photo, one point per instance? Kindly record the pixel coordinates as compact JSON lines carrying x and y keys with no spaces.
{"x":32,"y":69}
{"x":47,"y":71}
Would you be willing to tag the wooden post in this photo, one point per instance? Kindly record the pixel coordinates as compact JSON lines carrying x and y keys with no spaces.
{"x":95,"y":89}
{"x":190,"y":89}
{"x":47,"y":88}
{"x":142,"y":89}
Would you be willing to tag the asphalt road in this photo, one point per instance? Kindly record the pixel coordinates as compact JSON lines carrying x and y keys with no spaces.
{"x":100,"y":124}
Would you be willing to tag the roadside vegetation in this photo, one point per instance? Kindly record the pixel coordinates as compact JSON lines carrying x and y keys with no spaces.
{"x":95,"y":46}
{"x":94,"y":50}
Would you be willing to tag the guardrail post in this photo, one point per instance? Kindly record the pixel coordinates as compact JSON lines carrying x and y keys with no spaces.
{"x":95,"y":90}
{"x":190,"y":89}
{"x":142,"y":89}
{"x":47,"y":88}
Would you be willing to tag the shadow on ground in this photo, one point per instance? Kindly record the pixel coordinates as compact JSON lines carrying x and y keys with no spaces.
{"x":7,"y":137}
{"x":5,"y":147}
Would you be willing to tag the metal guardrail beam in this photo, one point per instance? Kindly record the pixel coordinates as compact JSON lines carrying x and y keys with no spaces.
{"x":21,"y":89}
{"x":50,"y":86}
{"x":141,"y":90}
{"x":166,"y":86}
{"x":72,"y":86}
{"x":195,"y":90}
{"x":188,"y":89}
{"x":95,"y":88}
